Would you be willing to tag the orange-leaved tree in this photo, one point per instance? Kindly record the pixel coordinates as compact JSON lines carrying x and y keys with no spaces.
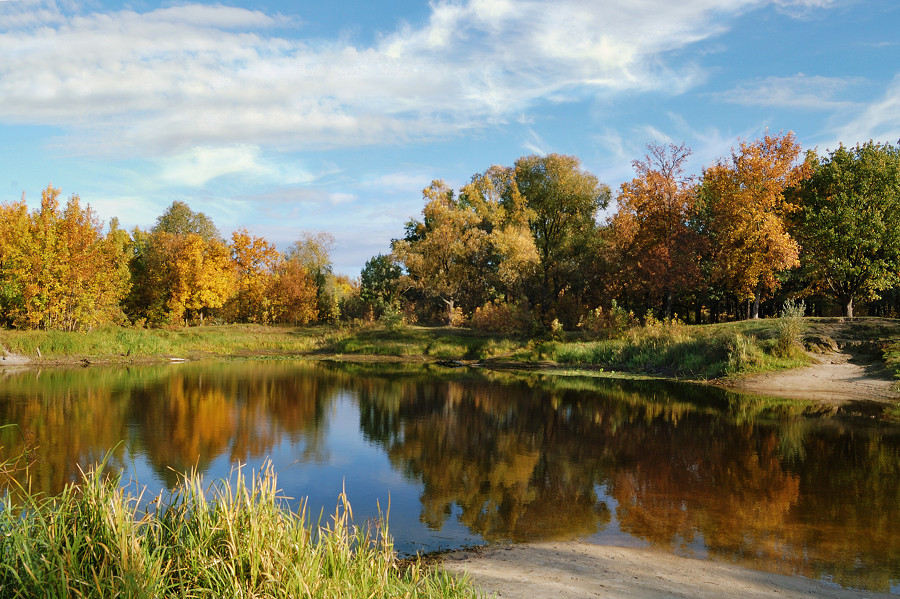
{"x":657,"y":247}
{"x":745,"y":208}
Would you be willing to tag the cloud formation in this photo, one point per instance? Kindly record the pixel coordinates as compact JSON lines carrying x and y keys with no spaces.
{"x":171,"y":79}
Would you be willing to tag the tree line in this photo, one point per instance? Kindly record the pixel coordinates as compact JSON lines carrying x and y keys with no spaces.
{"x":760,"y":226}
{"x":518,"y":247}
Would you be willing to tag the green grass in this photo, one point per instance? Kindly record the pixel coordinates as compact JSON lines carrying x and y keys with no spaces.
{"x":235,"y":538}
{"x":686,"y":352}
{"x":683,"y":351}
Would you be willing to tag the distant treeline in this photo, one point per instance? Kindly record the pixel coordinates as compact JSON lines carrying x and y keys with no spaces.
{"x":518,"y":248}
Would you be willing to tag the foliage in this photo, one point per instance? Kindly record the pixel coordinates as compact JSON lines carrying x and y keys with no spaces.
{"x":255,"y":262}
{"x":658,"y":250}
{"x":57,"y":269}
{"x":179,"y":219}
{"x":609,"y":323}
{"x":744,"y":202}
{"x":502,"y":317}
{"x":563,"y":201}
{"x":849,"y":222}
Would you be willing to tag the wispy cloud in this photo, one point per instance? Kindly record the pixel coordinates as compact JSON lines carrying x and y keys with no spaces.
{"x":879,"y":120}
{"x":799,"y":91}
{"x":187,"y":76}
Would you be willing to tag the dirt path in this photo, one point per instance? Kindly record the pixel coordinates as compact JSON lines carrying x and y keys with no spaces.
{"x":577,"y":570}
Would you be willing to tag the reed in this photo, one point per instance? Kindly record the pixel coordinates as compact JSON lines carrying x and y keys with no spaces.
{"x":234,"y":538}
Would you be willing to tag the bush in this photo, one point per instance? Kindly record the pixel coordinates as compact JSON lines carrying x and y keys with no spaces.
{"x":501,"y":317}
{"x":608,"y":324}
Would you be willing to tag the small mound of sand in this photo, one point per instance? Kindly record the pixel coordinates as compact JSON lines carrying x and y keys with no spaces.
{"x":11,"y":360}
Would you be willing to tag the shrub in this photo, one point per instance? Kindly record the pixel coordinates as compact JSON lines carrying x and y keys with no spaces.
{"x":501,"y":317}
{"x":608,"y":324}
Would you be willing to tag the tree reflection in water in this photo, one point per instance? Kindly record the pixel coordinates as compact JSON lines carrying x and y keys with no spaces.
{"x":776,"y":486}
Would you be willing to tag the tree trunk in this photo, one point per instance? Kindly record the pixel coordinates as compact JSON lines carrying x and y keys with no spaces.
{"x":450,"y":304}
{"x":847,"y":306}
{"x":670,"y":299}
{"x":754,"y":309}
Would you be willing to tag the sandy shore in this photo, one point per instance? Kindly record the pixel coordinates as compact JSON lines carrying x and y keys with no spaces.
{"x":835,"y":377}
{"x":578,"y":570}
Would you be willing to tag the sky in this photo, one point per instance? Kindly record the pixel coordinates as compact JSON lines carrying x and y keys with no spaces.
{"x":307,"y":116}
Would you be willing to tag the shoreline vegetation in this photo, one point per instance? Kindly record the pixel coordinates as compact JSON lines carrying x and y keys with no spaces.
{"x":233,"y":538}
{"x":715,"y":353}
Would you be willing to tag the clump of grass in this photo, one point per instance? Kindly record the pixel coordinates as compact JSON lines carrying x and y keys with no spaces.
{"x":232,"y":539}
{"x":789,"y":328}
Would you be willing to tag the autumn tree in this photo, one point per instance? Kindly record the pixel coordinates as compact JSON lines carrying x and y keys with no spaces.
{"x":178,"y":277}
{"x":254,"y":260}
{"x":293,"y":293}
{"x":441,"y":253}
{"x":745,"y":207}
{"x":563,"y":201}
{"x":659,"y":250}
{"x":59,"y":271}
{"x":849,"y":221}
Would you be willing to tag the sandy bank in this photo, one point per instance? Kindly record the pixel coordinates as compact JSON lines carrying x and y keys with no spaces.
{"x":834,"y":378}
{"x":576,"y":570}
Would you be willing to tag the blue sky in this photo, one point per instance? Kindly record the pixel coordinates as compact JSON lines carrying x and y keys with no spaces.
{"x":284,"y":117}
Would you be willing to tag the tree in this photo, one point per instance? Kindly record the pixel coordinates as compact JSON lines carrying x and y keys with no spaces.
{"x":379,"y":279}
{"x":255,"y":261}
{"x":563,"y":201}
{"x":440,"y":253}
{"x":293,"y":293}
{"x":57,"y":268}
{"x":178,"y":277}
{"x":744,"y":202}
{"x":313,"y":251}
{"x":179,"y":219}
{"x":652,"y":232}
{"x":849,"y":221}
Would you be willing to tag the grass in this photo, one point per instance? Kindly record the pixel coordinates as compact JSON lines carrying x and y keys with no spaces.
{"x":235,"y":538}
{"x":663,"y":349}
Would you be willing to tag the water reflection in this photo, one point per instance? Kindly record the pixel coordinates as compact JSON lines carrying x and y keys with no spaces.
{"x":780,"y":487}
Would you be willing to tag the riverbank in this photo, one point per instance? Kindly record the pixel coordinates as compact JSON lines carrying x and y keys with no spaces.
{"x":579,"y":570}
{"x":856,"y":359}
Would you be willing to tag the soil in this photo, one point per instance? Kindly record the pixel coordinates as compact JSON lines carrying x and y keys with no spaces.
{"x":847,"y":366}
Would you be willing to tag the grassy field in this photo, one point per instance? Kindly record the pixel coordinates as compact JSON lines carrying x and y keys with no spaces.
{"x":671,"y":350}
{"x":234,"y":538}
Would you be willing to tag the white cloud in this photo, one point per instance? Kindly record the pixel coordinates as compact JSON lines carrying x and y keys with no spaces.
{"x":198,"y":166}
{"x":800,"y":91}
{"x":172,"y":79}
{"x":879,"y":121}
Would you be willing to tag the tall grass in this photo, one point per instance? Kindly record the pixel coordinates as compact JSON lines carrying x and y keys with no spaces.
{"x":679,"y":350}
{"x":235,"y":538}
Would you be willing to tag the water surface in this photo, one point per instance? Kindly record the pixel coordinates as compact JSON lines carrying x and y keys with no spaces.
{"x":469,"y":457}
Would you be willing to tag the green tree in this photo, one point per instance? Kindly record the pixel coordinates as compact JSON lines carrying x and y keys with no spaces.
{"x":849,"y":221}
{"x":379,"y":279}
{"x":179,"y":219}
{"x":563,"y":201}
